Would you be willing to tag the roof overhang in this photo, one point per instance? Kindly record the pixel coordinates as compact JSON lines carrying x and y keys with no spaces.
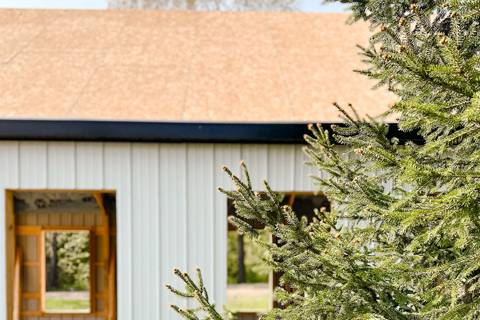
{"x":136,"y":131}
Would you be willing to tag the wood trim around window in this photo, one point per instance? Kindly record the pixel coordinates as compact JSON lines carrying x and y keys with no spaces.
{"x":101,"y":233}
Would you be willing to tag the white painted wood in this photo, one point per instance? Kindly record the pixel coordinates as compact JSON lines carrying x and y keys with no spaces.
{"x":173,"y":221}
{"x":145,"y":227}
{"x":33,"y":165}
{"x":89,"y":165}
{"x":61,"y":165}
{"x":281,"y":167}
{"x":169,"y":213}
{"x":118,"y":176}
{"x":225,"y":155}
{"x":303,"y":181}
{"x":200,"y":199}
{"x":256,"y":159}
{"x":9,"y":178}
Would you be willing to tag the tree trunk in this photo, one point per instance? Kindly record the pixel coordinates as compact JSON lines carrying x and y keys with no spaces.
{"x":53,"y":264}
{"x":241,"y":276}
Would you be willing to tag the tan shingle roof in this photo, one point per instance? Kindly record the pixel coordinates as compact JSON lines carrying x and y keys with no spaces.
{"x":181,"y":66}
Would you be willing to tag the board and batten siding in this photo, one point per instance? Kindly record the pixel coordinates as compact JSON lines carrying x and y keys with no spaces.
{"x":169,"y":213}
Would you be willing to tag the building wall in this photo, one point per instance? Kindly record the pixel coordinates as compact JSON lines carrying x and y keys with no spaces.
{"x":169,"y":213}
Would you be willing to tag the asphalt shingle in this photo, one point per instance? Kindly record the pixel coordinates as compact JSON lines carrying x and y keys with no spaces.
{"x":182,"y":66}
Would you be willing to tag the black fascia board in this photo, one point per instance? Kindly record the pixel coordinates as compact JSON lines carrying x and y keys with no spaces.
{"x":136,"y":131}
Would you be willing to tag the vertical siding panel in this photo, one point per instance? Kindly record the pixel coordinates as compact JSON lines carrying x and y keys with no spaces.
{"x":303,"y":172}
{"x":281,"y":167}
{"x":228,"y":155}
{"x":118,"y":169}
{"x":9,"y":162}
{"x":173,"y":220}
{"x":9,"y":151}
{"x":200,"y":208}
{"x":33,"y":158}
{"x":256,"y":159}
{"x":89,"y":165}
{"x":33,"y":165}
{"x":145,"y":221}
{"x":61,"y":165}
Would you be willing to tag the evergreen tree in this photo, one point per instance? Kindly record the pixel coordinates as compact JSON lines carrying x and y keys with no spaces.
{"x":411,"y":250}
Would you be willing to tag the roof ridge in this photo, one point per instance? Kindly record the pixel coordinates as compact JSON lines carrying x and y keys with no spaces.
{"x":176,"y":11}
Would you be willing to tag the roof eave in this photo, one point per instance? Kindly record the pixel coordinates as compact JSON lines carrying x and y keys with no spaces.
{"x":173,"y":132}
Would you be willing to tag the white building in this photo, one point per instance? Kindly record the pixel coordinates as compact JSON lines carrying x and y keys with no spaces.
{"x":145,"y":107}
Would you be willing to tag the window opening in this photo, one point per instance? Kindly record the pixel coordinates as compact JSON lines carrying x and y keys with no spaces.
{"x":250,"y":284}
{"x":61,"y":254}
{"x":67,"y":271}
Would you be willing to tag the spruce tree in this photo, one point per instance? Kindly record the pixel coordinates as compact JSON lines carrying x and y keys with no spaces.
{"x":412,"y":247}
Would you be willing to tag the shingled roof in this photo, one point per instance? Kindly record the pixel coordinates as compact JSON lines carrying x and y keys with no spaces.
{"x":182,"y":66}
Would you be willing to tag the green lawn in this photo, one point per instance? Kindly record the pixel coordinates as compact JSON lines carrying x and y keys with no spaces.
{"x":56,"y":304}
{"x":245,"y":303}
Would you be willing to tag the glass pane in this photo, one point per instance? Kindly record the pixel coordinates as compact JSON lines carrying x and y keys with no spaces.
{"x":67,"y":266}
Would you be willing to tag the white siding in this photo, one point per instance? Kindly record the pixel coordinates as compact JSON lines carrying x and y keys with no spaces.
{"x":303,"y":182}
{"x":61,"y":165}
{"x":117,"y":167}
{"x":281,"y":167}
{"x":145,"y":231}
{"x":256,"y":159}
{"x":200,"y":209}
{"x":9,"y":178}
{"x":169,"y":212}
{"x":33,"y":165}
{"x":225,"y":155}
{"x":89,"y":159}
{"x":173,"y":220}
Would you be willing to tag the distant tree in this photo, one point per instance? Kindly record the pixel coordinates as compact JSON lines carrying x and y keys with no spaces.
{"x":255,"y":269}
{"x":52,"y":257}
{"x":207,"y":5}
{"x":241,"y":276}
{"x":68,"y":259}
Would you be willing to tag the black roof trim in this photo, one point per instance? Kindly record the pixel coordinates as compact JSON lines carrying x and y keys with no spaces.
{"x":132,"y":131}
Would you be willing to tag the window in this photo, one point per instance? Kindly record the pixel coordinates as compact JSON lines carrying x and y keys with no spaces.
{"x":248,"y":288}
{"x":250,"y":284}
{"x":67,"y":268}
{"x":61,"y":254}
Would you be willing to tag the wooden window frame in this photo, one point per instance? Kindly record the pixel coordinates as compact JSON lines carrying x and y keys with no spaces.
{"x":92,"y":275}
{"x":14,"y":298}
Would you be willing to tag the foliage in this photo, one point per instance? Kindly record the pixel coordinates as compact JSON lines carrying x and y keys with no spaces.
{"x":418,"y":256}
{"x":255,"y":268}
{"x":197,"y":291}
{"x":203,"y":5}
{"x":73,"y":256}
